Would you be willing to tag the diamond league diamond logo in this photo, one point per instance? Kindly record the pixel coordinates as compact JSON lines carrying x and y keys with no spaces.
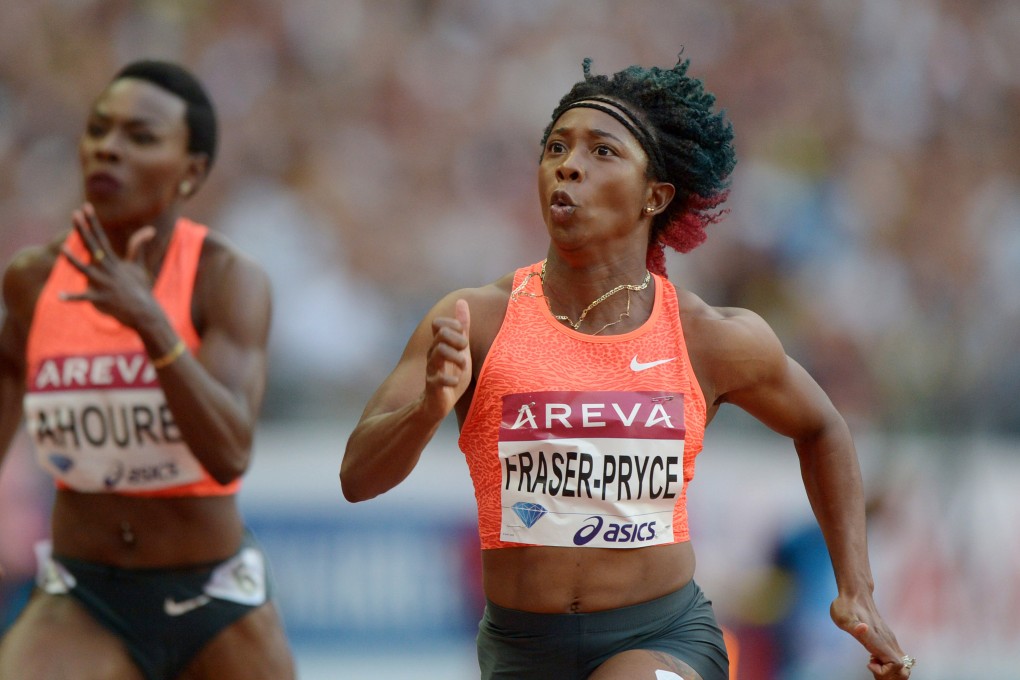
{"x":61,"y":462}
{"x":529,"y":512}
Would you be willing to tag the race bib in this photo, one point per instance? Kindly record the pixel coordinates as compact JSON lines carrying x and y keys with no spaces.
{"x":101,"y":424}
{"x":591,"y":469}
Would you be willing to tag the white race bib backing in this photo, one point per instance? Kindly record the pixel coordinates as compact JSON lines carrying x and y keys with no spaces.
{"x":101,"y":424}
{"x":591,"y":469}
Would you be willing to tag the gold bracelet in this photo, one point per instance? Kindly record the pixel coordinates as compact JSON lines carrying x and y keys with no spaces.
{"x":173,"y":355}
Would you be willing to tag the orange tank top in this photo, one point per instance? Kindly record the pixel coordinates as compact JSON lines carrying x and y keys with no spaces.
{"x":581,"y":440}
{"x":94,"y":409}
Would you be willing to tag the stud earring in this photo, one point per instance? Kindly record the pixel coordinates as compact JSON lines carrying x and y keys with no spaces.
{"x":649,"y":210}
{"x":185,"y":188}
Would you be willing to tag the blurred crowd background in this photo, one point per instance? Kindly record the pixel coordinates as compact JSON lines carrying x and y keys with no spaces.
{"x":377,"y":154}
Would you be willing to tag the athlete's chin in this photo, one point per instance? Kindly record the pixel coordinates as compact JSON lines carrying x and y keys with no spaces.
{"x":114,"y":217}
{"x":564,"y":232}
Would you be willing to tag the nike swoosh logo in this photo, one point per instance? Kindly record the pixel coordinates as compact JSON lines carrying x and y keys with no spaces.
{"x":175,"y":608}
{"x":638,"y":366}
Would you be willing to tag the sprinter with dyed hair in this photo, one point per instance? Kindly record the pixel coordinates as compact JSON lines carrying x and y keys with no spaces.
{"x":583,"y":384}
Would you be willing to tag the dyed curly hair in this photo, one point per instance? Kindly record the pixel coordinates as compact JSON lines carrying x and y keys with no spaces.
{"x":687,"y":143}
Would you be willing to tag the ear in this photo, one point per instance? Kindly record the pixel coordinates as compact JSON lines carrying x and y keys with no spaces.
{"x":194,"y":174}
{"x":660,"y":194}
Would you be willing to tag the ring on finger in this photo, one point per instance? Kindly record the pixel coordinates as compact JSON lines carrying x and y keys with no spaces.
{"x":908,"y":661}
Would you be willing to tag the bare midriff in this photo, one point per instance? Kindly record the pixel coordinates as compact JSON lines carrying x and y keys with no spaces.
{"x":136,"y":532}
{"x":555,"y":580}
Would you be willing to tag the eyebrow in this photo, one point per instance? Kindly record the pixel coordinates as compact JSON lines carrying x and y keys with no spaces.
{"x":146,"y":121}
{"x":598,"y":132}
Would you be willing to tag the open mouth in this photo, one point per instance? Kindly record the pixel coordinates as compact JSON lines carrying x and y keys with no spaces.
{"x":561,"y":206}
{"x":561,"y":199}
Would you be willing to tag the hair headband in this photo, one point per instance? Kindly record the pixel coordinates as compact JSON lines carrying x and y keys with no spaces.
{"x":629,"y":121}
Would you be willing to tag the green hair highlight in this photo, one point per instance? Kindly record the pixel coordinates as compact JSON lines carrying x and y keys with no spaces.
{"x":692,"y":145}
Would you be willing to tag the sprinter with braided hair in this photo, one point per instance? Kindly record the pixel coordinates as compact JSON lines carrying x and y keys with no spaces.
{"x":688,"y":144}
{"x":583,"y":384}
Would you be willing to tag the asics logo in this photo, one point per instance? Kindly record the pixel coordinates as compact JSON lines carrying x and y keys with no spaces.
{"x":638,"y":366}
{"x":177,"y":608}
{"x":616,"y":533}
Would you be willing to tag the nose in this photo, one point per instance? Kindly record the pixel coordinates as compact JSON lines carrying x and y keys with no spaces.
{"x":105,"y":147}
{"x":569,"y":169}
{"x":108,"y":148}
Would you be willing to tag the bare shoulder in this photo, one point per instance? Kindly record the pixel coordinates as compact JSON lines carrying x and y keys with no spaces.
{"x":724,"y":329}
{"x":25,"y":276}
{"x":487,"y":306}
{"x":222,"y":258}
{"x":495,"y":294}
{"x":231,"y":287}
{"x":33,"y":262}
{"x":730,"y":347}
{"x":486,"y":300}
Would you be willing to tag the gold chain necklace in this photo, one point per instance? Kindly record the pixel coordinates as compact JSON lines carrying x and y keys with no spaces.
{"x":519,"y":290}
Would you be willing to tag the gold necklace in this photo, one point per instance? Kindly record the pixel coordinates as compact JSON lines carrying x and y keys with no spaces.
{"x":599,"y":300}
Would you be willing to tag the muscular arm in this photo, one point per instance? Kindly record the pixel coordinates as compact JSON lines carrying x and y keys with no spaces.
{"x":12,"y":390}
{"x":22,"y":281}
{"x":745,"y":365}
{"x":434,"y":376}
{"x":12,"y":368}
{"x":216,"y":395}
{"x":779,"y":392}
{"x":404,"y":413}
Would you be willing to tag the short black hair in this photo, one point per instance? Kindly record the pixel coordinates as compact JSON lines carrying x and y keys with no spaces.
{"x":199,"y":115}
{"x":688,"y":144}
